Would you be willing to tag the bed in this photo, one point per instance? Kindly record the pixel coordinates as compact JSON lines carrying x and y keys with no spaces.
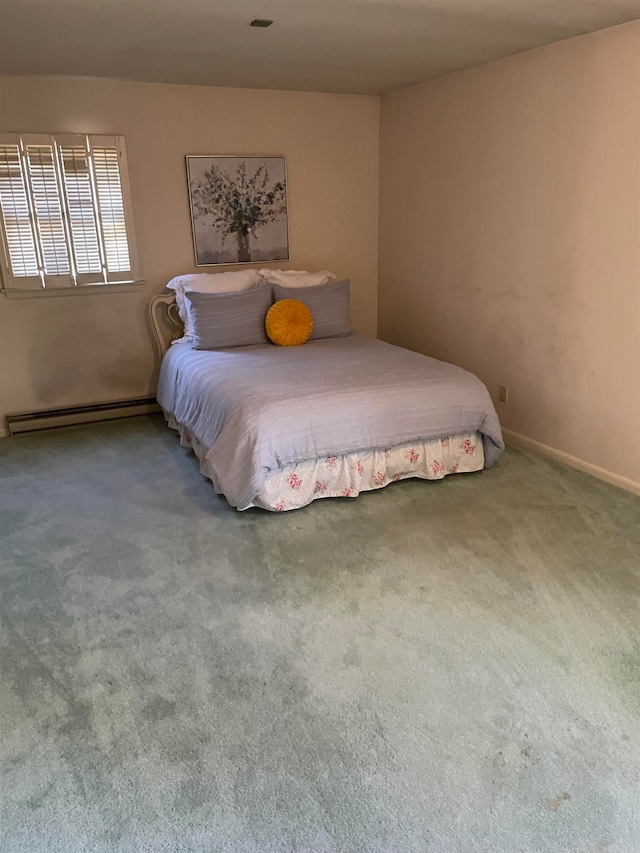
{"x":278,"y":427}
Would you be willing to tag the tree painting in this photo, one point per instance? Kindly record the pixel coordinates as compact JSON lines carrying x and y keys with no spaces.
{"x":239,"y":209}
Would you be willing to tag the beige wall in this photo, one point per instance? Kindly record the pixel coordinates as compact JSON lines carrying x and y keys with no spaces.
{"x":510,"y":237}
{"x":68,"y":350}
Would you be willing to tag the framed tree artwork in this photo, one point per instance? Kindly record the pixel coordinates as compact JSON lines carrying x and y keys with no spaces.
{"x":238,"y":209}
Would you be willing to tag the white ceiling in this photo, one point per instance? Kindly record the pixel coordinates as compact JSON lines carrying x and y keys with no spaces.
{"x":360,"y":46}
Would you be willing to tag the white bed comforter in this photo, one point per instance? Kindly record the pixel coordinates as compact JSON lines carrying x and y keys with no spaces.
{"x":260,"y":408}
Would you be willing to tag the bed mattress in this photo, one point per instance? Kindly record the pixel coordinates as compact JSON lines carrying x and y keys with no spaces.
{"x":253,"y":414}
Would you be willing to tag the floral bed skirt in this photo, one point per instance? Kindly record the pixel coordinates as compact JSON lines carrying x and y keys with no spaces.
{"x":345,"y":476}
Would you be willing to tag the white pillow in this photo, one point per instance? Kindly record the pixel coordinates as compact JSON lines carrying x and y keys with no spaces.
{"x":222,"y":282}
{"x":296,"y":278}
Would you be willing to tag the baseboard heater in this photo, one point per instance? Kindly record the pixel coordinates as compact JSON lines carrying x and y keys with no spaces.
{"x":74,"y":415}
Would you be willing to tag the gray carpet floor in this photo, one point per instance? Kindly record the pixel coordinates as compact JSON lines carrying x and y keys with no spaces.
{"x":447,"y":667}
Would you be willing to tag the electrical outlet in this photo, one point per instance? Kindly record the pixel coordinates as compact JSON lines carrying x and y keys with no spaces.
{"x":504,"y":394}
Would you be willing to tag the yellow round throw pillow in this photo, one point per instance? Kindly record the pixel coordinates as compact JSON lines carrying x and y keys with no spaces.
{"x":289,"y":323}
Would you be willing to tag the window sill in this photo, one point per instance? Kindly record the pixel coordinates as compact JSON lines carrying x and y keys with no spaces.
{"x":124,"y":287}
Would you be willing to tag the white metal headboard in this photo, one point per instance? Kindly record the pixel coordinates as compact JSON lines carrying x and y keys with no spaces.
{"x":164,"y":308}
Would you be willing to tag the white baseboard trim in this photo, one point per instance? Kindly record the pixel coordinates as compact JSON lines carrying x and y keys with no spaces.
{"x":573,"y":461}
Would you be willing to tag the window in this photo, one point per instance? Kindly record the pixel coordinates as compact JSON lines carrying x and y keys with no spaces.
{"x":65,"y":212}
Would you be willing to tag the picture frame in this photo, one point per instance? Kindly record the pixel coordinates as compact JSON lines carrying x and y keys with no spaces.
{"x":238,"y":208}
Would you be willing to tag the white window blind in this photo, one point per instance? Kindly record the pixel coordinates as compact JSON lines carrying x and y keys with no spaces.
{"x":19,"y":238}
{"x":47,"y":206}
{"x":65,"y":211}
{"x":81,"y":209}
{"x":111,"y":208}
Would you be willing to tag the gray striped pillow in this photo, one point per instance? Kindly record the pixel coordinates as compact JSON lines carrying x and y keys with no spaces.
{"x":328,"y":303}
{"x":228,"y":319}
